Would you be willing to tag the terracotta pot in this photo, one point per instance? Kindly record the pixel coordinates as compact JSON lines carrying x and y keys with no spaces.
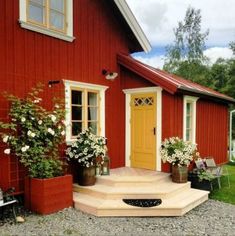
{"x":86,"y":175}
{"x":45,"y":196}
{"x":179,"y":174}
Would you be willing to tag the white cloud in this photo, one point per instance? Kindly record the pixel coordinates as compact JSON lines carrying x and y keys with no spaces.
{"x":159,"y":17}
{"x":212,"y":53}
{"x":218,"y":52}
{"x":155,"y":61}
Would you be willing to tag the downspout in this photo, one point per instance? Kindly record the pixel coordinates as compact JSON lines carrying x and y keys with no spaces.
{"x":230,"y":136}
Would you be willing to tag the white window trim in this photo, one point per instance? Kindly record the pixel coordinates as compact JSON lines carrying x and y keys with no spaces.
{"x":40,"y":29}
{"x":193,"y":100}
{"x":128,"y":93}
{"x":73,"y":84}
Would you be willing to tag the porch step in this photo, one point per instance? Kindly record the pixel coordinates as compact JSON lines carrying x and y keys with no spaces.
{"x":161,"y":190}
{"x":177,"y":205}
{"x":115,"y":180}
{"x":105,"y":197}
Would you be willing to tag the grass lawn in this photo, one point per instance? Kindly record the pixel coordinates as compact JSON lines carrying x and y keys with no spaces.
{"x":226,"y":194}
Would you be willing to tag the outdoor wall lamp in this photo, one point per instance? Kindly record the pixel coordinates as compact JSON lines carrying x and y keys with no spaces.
{"x":52,"y":82}
{"x":109,"y":75}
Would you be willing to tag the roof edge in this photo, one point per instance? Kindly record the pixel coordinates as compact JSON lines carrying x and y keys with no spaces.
{"x":134,"y":25}
{"x":227,"y":98}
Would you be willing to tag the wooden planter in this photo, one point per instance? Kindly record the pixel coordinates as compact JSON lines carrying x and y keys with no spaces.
{"x":179,"y":174}
{"x":45,"y":196}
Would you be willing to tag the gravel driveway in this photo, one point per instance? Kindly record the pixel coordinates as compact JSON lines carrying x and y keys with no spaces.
{"x":211,"y":218}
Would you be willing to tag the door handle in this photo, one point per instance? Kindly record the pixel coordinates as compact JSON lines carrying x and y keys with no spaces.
{"x":154,"y":130}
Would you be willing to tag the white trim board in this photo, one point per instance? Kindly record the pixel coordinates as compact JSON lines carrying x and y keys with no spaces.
{"x":68,"y":84}
{"x":128,"y":93}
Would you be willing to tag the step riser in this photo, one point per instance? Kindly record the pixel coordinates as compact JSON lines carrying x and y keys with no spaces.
{"x":140,"y":211}
{"x":127,"y":183}
{"x":138,"y":195}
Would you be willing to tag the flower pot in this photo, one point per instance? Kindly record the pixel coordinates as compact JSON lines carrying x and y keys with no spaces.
{"x":45,"y":196}
{"x":86,"y":176}
{"x":202,"y":185}
{"x":179,"y":174}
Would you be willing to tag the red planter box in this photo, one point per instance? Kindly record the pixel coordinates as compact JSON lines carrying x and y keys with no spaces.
{"x":45,"y":196}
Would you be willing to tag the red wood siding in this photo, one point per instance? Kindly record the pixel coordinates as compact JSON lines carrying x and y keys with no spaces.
{"x":212,"y":130}
{"x":172,"y":118}
{"x":28,"y":57}
{"x":131,"y":80}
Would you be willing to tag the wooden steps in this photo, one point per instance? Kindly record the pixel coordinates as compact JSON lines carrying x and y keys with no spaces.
{"x":105,"y":198}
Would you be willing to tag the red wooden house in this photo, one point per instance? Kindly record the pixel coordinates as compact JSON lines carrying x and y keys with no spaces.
{"x":84,"y":44}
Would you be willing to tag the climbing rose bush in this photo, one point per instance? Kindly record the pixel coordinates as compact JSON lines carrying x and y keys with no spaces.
{"x":34,"y":134}
{"x":178,"y":152}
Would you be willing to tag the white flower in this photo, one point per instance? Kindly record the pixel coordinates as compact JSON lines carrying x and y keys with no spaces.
{"x":25,"y":148}
{"x":40,"y":122}
{"x":7,"y":151}
{"x":62,"y":133}
{"x":53,"y":117}
{"x":5,"y":139}
{"x":57,"y":106}
{"x":23,"y":119}
{"x":31,"y":134}
{"x":51,"y":131}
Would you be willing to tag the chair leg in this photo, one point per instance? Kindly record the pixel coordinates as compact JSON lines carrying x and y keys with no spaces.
{"x":228,"y":181}
{"x":219,"y":183}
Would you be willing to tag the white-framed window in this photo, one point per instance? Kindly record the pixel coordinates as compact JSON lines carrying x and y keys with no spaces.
{"x":189,"y":118}
{"x":50,"y":17}
{"x":85,"y":107}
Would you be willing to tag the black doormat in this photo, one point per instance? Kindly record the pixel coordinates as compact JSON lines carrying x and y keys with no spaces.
{"x":143,"y":202}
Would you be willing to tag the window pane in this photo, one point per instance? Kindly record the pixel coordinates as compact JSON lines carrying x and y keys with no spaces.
{"x":92,"y":113}
{"x":189,"y":108}
{"x":93,"y":126}
{"x":76,"y":128}
{"x":188,"y":122}
{"x":57,"y":5}
{"x":36,"y":13}
{"x":39,"y":2}
{"x":56,"y":20}
{"x":76,"y":113}
{"x":92,"y":99}
{"x":188,"y":135}
{"x":76,"y":97}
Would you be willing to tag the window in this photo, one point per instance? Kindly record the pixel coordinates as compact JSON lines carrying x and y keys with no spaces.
{"x":85,"y":110}
{"x":51,"y":17}
{"x":49,"y":13}
{"x":190,"y":118}
{"x":85,"y":106}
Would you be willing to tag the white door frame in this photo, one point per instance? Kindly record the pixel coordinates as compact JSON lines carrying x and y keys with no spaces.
{"x":128,"y":93}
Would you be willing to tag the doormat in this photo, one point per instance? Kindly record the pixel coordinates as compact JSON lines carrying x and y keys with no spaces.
{"x":143,"y":202}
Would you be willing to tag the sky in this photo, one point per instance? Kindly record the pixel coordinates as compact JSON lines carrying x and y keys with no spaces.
{"x":158,"y":18}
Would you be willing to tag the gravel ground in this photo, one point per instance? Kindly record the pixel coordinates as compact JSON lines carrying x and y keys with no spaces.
{"x":211,"y":218}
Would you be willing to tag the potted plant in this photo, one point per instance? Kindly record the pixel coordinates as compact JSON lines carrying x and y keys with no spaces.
{"x":179,"y":154}
{"x":201,"y":178}
{"x":88,"y":151}
{"x":34,"y":135}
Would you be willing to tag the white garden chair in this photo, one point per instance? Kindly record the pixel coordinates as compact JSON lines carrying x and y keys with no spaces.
{"x":217,"y":171}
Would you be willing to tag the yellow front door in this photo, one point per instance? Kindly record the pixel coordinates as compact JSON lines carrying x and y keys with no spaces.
{"x":143,"y":131}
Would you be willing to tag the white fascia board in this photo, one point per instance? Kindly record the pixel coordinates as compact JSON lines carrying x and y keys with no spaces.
{"x":134,"y":25}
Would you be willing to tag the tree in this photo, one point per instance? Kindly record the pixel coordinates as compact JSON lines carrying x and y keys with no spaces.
{"x":232,"y":47}
{"x":186,"y":53}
